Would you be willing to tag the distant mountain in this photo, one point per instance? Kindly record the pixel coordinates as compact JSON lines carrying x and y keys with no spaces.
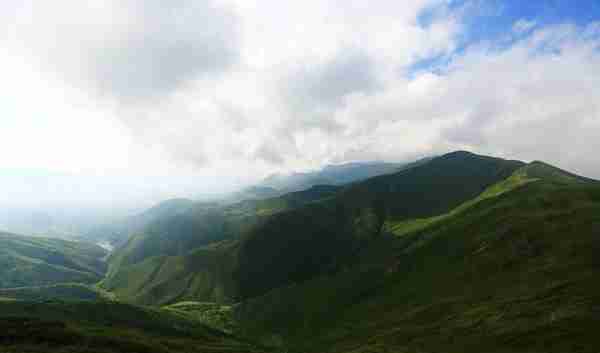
{"x":35,"y":261}
{"x":330,"y":175}
{"x":255,"y":192}
{"x":46,"y":222}
{"x":116,"y":233}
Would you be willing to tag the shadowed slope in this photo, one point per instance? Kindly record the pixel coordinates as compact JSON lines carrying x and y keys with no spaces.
{"x":327,"y":236}
{"x":245,"y":250}
{"x":103,"y":327}
{"x":511,"y":272}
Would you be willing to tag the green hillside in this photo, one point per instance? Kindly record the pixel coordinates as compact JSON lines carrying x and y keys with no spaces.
{"x":33,"y":261}
{"x":460,"y":253}
{"x":103,"y":327}
{"x":230,"y":253}
{"x":326,"y":237}
{"x":192,"y":255}
{"x":512,"y":271}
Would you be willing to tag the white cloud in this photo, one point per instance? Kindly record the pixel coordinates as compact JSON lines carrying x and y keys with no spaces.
{"x":523,"y":26}
{"x":232,"y":87}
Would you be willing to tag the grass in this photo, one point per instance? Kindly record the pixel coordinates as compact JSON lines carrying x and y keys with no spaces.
{"x":196,"y":259}
{"x":33,"y":261}
{"x":211,"y":314}
{"x":520,"y":177}
{"x":512,"y":273}
{"x":275,"y":242}
{"x":463,"y":253}
{"x":63,"y":291}
{"x":96,"y":327}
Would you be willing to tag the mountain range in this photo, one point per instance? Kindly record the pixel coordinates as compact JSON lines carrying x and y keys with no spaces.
{"x":456,"y":253}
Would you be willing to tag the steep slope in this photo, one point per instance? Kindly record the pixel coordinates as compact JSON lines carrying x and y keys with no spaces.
{"x":193,"y":254}
{"x":244,"y":251}
{"x":294,"y":246}
{"x":116,"y":233}
{"x":511,"y":271}
{"x":33,"y":261}
{"x":104,"y":327}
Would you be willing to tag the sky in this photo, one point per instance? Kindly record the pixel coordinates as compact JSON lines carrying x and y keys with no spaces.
{"x":133,"y":101}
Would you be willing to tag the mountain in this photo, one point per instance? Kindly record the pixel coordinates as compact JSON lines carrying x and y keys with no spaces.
{"x":458,"y":253}
{"x":101,"y":327}
{"x":294,"y":246}
{"x":191,"y":255}
{"x":34,"y":261}
{"x":226,"y":254}
{"x":255,"y":192}
{"x":329,"y":175}
{"x":116,"y":233}
{"x":512,"y":270}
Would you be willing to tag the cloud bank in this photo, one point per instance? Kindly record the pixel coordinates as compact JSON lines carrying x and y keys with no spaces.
{"x":244,"y":88}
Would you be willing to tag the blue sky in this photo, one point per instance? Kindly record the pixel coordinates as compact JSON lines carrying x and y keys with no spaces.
{"x":496,"y":18}
{"x":492,"y":21}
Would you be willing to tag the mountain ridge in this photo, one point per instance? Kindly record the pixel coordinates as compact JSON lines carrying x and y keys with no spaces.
{"x":320,"y":236}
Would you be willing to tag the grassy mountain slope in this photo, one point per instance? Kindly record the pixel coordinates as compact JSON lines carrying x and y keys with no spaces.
{"x":193,"y":254}
{"x":326,"y":237}
{"x":102,"y":327}
{"x":513,"y":271}
{"x":245,"y":250}
{"x":33,"y":261}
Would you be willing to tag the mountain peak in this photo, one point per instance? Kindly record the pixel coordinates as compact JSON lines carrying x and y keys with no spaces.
{"x":542,"y":170}
{"x":460,"y":153}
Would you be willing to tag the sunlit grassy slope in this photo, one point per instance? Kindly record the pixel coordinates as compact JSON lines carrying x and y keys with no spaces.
{"x":514,"y":270}
{"x":33,"y":261}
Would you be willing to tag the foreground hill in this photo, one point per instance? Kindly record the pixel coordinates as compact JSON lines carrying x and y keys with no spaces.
{"x":513,"y":270}
{"x":241,"y":251}
{"x":105,"y":327}
{"x":33,"y":261}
